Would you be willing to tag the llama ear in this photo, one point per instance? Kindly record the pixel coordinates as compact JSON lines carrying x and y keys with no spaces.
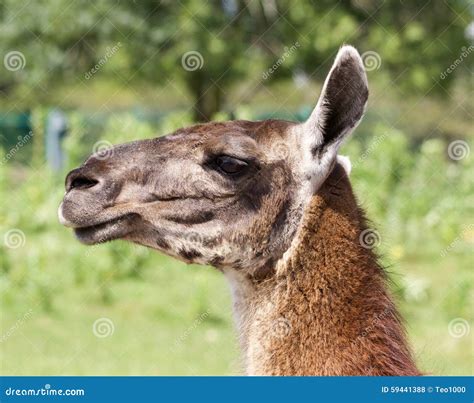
{"x":338,"y":111}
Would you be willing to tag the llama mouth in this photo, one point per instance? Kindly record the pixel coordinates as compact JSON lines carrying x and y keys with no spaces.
{"x":115,"y":228}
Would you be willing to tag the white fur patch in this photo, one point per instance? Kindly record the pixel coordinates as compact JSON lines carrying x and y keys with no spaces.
{"x":63,"y":219}
{"x":346,"y":163}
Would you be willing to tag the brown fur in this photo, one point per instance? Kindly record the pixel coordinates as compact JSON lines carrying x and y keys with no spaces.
{"x":330,"y":313}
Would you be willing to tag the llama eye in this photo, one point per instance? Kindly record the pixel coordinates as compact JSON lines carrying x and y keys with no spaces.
{"x":230,"y":165}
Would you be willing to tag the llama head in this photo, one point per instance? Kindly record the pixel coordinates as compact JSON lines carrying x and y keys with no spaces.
{"x":229,"y":194}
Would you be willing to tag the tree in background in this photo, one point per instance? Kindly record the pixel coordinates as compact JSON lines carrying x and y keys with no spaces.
{"x":212,"y":46}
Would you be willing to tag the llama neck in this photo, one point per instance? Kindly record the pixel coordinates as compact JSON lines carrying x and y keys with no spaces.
{"x":326,"y":311}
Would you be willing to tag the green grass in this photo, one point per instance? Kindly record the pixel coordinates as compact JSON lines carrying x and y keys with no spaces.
{"x":433,"y":296}
{"x":173,"y":319}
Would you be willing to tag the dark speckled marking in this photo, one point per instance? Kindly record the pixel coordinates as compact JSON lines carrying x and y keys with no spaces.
{"x":216,"y":260}
{"x":161,"y":243}
{"x":198,"y":218}
{"x":189,"y":254}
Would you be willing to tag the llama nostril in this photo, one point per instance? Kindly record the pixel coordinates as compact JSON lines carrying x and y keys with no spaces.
{"x":82,"y":182}
{"x":77,"y":180}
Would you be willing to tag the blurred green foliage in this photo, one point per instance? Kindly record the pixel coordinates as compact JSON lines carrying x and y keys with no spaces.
{"x":171,"y":318}
{"x":236,"y":40}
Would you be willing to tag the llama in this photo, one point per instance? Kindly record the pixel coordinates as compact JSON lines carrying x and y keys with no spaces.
{"x":270,"y":205}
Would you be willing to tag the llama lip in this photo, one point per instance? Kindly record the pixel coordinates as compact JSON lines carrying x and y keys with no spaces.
{"x":63,"y":220}
{"x":67,"y":215}
{"x":107,"y":231}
